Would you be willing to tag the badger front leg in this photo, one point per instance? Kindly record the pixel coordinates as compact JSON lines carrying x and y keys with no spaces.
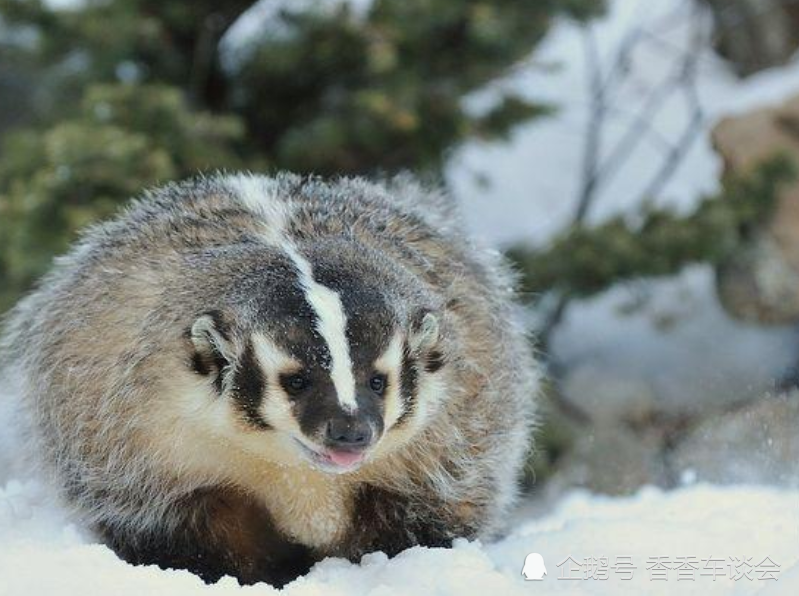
{"x":388,"y":521}
{"x":220,"y":533}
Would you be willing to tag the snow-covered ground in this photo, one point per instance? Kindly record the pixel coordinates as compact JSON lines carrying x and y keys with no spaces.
{"x":707,"y":536}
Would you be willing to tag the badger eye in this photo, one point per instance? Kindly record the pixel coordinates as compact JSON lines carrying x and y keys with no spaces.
{"x":378,"y":383}
{"x":296,"y":383}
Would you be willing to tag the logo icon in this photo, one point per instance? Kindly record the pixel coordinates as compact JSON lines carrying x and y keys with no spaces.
{"x":534,"y":568}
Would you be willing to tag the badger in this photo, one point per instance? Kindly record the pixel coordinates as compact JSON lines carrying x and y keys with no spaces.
{"x":242,"y":375}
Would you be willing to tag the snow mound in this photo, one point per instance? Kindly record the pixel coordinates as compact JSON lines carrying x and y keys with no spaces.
{"x":42,"y":553}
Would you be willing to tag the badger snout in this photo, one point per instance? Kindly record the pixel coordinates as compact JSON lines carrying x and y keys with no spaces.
{"x":347,"y":437}
{"x":348,"y":433}
{"x":342,"y":442}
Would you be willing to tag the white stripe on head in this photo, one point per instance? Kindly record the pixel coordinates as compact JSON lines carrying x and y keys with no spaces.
{"x":259,"y":196}
{"x":331,"y":323}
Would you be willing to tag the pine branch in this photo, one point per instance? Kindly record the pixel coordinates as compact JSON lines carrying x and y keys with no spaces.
{"x":584,"y":261}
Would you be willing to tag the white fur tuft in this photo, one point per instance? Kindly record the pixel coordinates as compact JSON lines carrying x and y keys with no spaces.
{"x":260,"y":196}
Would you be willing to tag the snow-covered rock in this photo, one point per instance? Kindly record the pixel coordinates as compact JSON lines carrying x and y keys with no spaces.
{"x":761,"y":281}
{"x":667,"y":346}
{"x":610,"y":459}
{"x":758,"y":443}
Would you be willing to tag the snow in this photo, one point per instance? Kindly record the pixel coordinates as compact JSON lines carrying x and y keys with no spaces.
{"x":42,"y":553}
{"x":265,"y":18}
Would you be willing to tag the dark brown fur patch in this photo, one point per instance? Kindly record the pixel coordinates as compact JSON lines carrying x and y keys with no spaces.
{"x":409,"y":381}
{"x":223,"y":532}
{"x":434,"y":361}
{"x":249,"y":385}
{"x":392,"y":522}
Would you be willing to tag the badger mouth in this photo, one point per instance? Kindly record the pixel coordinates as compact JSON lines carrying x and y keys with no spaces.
{"x":333,"y":460}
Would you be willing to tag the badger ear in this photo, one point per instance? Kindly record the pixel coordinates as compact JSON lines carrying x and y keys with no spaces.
{"x":424,"y":333}
{"x":213,"y":348}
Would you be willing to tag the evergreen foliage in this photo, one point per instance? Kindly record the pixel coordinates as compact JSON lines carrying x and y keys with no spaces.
{"x":585,"y":260}
{"x":111,"y":96}
{"x":123,"y":138}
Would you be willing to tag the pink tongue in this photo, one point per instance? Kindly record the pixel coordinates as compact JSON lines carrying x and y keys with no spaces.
{"x":344,"y":458}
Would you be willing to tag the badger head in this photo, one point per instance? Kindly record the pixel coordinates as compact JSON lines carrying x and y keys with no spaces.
{"x":331,"y":357}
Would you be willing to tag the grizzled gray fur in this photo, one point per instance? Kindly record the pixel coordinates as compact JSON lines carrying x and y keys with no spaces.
{"x":243,"y":375}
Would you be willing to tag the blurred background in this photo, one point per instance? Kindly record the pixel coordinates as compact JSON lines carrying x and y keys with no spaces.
{"x":635,"y":158}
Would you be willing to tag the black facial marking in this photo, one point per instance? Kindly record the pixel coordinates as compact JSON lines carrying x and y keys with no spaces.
{"x":249,"y":385}
{"x":370,"y":320}
{"x":409,"y":381}
{"x":372,"y":408}
{"x":213,"y":363}
{"x":316,"y":406}
{"x":286,"y":314}
{"x":204,"y":365}
{"x":434,"y":361}
{"x":220,"y":324}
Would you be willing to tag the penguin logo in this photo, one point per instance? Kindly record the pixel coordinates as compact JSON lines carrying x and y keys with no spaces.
{"x":534,"y":569}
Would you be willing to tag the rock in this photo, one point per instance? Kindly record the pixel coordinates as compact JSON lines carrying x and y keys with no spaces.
{"x":760,"y":282}
{"x":610,"y":460}
{"x":615,"y":363}
{"x":756,"y":444}
{"x":608,"y":396}
{"x":755,"y":34}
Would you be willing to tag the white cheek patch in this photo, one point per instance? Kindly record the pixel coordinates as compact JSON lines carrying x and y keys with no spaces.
{"x":271,"y":357}
{"x":276,"y":410}
{"x":390,"y":364}
{"x":332,"y":326}
{"x":275,"y":407}
{"x":430,"y":392}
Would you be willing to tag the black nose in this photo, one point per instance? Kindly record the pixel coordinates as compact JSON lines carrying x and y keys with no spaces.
{"x":348,"y":433}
